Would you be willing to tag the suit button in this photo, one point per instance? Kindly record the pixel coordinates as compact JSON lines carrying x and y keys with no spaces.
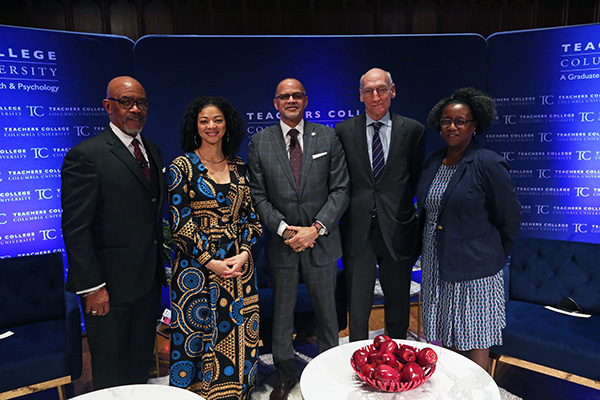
{"x":154,"y":199}
{"x":155,"y":241}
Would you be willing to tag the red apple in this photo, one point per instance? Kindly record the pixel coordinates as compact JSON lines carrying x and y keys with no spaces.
{"x":372,"y":356}
{"x":427,"y":357}
{"x":368,"y":370}
{"x":360,"y":358}
{"x":406,"y":354}
{"x":398,"y":367}
{"x":386,"y":373}
{"x":389,"y":345}
{"x":385,"y":358}
{"x":411,"y":372}
{"x":379,"y":339}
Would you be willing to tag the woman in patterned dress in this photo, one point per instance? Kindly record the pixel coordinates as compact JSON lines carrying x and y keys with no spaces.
{"x":469,"y":220}
{"x":214,"y":297}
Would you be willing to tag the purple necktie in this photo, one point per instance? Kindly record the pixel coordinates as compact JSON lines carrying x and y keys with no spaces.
{"x":140,"y":158}
{"x":295,"y":156}
{"x":377,"y":148}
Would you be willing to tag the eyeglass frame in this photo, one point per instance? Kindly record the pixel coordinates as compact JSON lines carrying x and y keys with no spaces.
{"x":133,"y":101}
{"x":286,"y":96}
{"x":368,"y":92}
{"x":451,"y":121}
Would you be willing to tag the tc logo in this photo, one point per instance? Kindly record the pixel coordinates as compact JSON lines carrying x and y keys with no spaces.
{"x":3,"y":219}
{"x":542,"y":209}
{"x":544,"y":173}
{"x":36,"y":111}
{"x":585,"y":116}
{"x":40,"y":152}
{"x":510,"y":119}
{"x":82,"y":130}
{"x":44,"y":194}
{"x":48,"y":234}
{"x":584,"y":155}
{"x":547,"y":100}
{"x":580,"y":228}
{"x":545,"y":137}
{"x":508,"y":155}
{"x":582,"y":191}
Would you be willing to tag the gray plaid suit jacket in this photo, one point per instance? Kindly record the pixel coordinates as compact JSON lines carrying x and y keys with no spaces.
{"x":323,"y":193}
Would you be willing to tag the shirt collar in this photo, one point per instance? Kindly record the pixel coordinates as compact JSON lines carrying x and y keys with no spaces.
{"x":285,"y":128}
{"x":386,"y":119}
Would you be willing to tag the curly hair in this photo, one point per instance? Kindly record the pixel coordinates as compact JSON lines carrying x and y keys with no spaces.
{"x":234,"y":134}
{"x":481,"y":105}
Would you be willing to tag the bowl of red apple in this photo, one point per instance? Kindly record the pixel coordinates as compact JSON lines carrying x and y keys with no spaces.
{"x":393,"y":367}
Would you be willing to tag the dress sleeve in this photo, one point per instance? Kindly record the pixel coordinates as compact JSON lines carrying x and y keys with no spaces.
{"x":188,"y":238}
{"x":251,"y":228}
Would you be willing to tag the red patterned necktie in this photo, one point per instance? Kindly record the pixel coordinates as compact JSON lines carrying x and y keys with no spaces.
{"x":140,"y":158}
{"x":295,"y":156}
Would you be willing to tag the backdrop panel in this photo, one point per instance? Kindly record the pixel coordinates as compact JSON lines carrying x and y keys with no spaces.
{"x":51,"y":89}
{"x":546,"y":84}
{"x":176,"y":69}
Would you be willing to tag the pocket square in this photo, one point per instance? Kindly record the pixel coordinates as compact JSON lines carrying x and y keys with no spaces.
{"x":315,"y":156}
{"x":164,"y":170}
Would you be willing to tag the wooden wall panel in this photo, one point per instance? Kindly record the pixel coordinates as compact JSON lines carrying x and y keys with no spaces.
{"x":135,"y":18}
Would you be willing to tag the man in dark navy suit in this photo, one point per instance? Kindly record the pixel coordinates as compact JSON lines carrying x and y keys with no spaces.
{"x":112,"y":197}
{"x":384,"y":151}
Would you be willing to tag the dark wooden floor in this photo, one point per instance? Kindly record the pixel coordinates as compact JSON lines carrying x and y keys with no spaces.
{"x":523,"y":383}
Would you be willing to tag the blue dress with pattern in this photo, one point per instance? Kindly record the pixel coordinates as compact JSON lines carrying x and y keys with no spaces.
{"x":215,"y":321}
{"x":469,"y":314}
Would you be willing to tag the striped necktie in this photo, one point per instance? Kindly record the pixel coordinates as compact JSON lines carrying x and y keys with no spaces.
{"x":377,"y":149}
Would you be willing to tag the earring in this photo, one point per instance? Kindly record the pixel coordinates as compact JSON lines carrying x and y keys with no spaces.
{"x":226,"y":137}
{"x":196,"y":141}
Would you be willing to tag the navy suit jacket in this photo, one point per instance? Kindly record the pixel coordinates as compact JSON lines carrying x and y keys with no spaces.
{"x":323,"y":193}
{"x":394,"y":192}
{"x":479,"y":216}
{"x":112,"y":220}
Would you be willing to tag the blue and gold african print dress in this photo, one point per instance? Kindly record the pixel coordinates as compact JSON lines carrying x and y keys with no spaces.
{"x":214,"y":325}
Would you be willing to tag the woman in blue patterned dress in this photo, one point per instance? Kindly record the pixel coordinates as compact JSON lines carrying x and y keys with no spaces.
{"x":214,"y":297}
{"x":469,"y":220}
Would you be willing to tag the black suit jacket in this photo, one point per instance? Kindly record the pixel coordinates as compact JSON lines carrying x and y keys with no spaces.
{"x":393,"y":194}
{"x":112,"y":219}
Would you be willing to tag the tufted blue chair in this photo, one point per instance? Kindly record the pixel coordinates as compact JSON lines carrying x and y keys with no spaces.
{"x":45,"y":350}
{"x":542,"y":272}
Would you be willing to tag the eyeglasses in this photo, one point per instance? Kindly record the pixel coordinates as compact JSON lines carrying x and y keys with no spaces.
{"x":458,"y":122}
{"x":381,"y":91}
{"x":295,"y":95}
{"x":127,"y":102}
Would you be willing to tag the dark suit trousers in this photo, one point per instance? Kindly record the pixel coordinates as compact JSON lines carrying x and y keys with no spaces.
{"x":394,"y":276}
{"x":122,"y":342}
{"x":320,"y":282}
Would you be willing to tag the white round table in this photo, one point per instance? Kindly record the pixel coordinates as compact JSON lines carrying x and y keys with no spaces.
{"x":140,"y":392}
{"x":330,"y":376}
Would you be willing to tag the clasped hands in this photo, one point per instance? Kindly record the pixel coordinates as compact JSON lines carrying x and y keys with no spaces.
{"x":299,"y":238}
{"x":228,"y":267}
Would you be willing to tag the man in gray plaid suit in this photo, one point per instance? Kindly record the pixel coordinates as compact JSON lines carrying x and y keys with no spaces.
{"x":299,"y":183}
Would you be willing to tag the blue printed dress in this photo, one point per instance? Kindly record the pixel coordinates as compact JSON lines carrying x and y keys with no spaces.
{"x":469,"y":314}
{"x":215,"y":321}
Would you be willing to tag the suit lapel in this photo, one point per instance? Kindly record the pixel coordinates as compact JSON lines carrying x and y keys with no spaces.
{"x":395,"y":142}
{"x":360,"y":142}
{"x":309,"y":144}
{"x":281,"y":153}
{"x":121,"y":152}
{"x":458,"y":175}
{"x":156,"y":158}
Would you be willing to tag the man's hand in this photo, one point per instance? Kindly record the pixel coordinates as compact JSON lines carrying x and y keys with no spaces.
{"x":305,"y":236}
{"x":97,"y":303}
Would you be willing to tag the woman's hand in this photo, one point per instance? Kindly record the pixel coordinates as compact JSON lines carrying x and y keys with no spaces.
{"x":237,"y":262}
{"x":229,"y":267}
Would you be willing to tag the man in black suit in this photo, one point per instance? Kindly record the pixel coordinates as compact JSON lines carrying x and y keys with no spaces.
{"x":299,"y":184}
{"x":112,"y":197}
{"x":384,"y":152}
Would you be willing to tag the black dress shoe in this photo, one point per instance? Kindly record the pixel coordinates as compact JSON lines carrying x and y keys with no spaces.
{"x":282,"y":390}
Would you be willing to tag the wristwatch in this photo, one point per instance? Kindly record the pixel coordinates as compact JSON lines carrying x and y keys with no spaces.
{"x":320,"y":228}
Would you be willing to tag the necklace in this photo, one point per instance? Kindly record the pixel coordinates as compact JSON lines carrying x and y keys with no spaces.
{"x":206,"y":159}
